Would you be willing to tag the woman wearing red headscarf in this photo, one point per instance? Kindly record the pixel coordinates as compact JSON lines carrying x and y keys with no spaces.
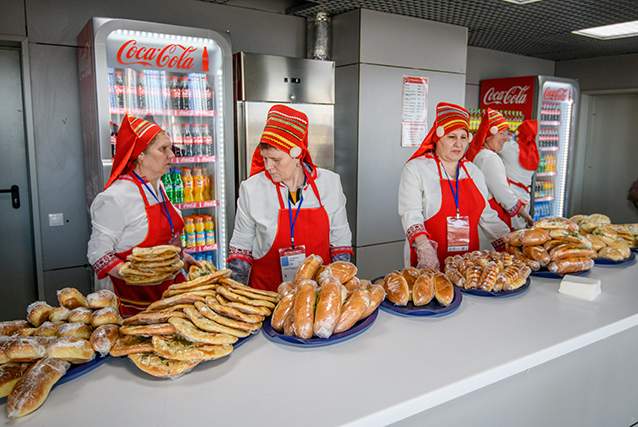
{"x":288,"y":208}
{"x":521,"y":160}
{"x":484,"y":151}
{"x":443,"y":197}
{"x":134,"y":211}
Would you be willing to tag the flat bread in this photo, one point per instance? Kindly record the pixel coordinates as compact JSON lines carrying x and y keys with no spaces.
{"x":230,"y":295}
{"x":155,"y":251}
{"x":129,"y":344}
{"x":235,"y":284}
{"x":195,"y":283}
{"x":153,"y":317}
{"x":172,"y":292}
{"x":209,"y":313}
{"x":149,"y":330}
{"x":233,"y":313}
{"x":255,"y":296}
{"x":244,"y":308}
{"x":175,"y":348}
{"x":174,"y":300}
{"x":153,"y":263}
{"x":160,"y":367}
{"x":175,"y":266}
{"x":208,"y":325}
{"x":190,"y":332}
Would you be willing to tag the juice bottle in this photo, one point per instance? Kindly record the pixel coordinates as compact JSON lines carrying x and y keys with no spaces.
{"x":207,"y":195}
{"x":198,"y":185}
{"x":200,"y":233}
{"x":178,"y":186}
{"x":183,"y":240}
{"x":187,"y":179}
{"x":209,"y":227}
{"x":189,"y":229}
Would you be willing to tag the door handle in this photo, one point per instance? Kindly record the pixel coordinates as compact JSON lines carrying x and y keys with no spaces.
{"x":15,"y":195}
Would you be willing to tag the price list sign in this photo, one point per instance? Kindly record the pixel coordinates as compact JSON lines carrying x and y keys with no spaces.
{"x":414,"y":110}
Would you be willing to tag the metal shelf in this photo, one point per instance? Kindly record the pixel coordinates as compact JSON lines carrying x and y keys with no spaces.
{"x":196,"y":205}
{"x":544,"y":199}
{"x":193,"y":159}
{"x":545,"y":174}
{"x":548,"y":148}
{"x":176,"y":113}
{"x":199,"y":249}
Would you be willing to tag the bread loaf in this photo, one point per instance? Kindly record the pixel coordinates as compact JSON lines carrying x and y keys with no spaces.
{"x":570,"y":265}
{"x":72,"y":350}
{"x":423,"y":290}
{"x":106,"y":316}
{"x":284,"y":307}
{"x":328,"y":308}
{"x":534,"y":237}
{"x":396,"y":288}
{"x":10,"y":373}
{"x":101,"y":299}
{"x":12,"y":327}
{"x":443,"y":289}
{"x":344,"y":271}
{"x":377,"y":295}
{"x":304,"y":309}
{"x":538,"y":253}
{"x":71,"y":298}
{"x":411,"y":274}
{"x":104,"y":337}
{"x":308,"y":269}
{"x":38,"y":312}
{"x":353,"y":309}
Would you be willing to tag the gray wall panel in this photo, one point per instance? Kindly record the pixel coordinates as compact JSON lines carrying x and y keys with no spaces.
{"x":491,"y":64}
{"x":79,"y":277}
{"x":250,"y":30}
{"x":346,"y":37}
{"x":381,"y":157}
{"x":411,"y":42}
{"x":378,"y":260}
{"x":592,"y":387}
{"x":56,"y":113}
{"x":12,"y":21}
{"x":604,"y":73}
{"x":471,"y":96}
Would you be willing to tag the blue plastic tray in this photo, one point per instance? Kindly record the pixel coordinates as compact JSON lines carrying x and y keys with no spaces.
{"x":549,"y":275}
{"x":635,"y":249}
{"x":241,"y":341}
{"x":356,"y":330}
{"x":501,"y":294}
{"x":433,"y":309}
{"x":611,"y":263}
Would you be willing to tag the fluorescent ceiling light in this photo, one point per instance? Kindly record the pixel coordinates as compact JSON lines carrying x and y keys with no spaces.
{"x":521,"y":1}
{"x":613,"y":31}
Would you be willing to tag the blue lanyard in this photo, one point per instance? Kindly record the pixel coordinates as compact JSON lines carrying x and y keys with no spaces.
{"x":291,"y":222}
{"x":455,"y":194}
{"x":161,"y":203}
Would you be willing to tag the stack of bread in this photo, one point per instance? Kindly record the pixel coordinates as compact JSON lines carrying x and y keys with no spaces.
{"x":419,"y":286}
{"x":612,"y":242}
{"x":324,"y":300}
{"x":554,"y":244}
{"x":35,"y":353}
{"x":195,"y":321}
{"x":488,"y":271}
{"x":147,"y":266}
{"x":202,"y":268}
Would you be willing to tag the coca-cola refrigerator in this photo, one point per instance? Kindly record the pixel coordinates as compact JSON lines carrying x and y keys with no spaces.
{"x":553,"y":102}
{"x":181,"y":79}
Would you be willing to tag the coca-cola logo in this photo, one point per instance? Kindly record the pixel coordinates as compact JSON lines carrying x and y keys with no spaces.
{"x":556,"y":94}
{"x":169,"y":56}
{"x":513,"y":95}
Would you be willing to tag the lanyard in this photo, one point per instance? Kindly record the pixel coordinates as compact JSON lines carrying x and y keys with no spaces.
{"x":161,"y":203}
{"x":291,"y":222}
{"x":455,"y":194}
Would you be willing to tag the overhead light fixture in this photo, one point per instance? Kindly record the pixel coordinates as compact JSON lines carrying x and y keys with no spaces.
{"x":521,"y":1}
{"x":613,"y":31}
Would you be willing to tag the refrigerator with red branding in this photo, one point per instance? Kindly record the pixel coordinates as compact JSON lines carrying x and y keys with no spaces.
{"x":181,"y":79}
{"x":553,"y":102}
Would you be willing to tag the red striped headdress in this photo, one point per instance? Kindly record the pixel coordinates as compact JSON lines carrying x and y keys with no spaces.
{"x":133,"y":137}
{"x":449,"y":117}
{"x":528,"y":156}
{"x":286,"y":129}
{"x":492,"y":123}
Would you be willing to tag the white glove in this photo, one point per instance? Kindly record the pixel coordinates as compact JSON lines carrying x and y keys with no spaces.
{"x":426,"y":253}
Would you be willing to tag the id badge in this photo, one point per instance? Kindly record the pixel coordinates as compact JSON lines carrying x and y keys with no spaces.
{"x":290,"y":259}
{"x":458,"y":234}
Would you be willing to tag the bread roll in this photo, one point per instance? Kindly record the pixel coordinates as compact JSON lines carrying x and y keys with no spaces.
{"x":344,"y":271}
{"x":101,"y":299}
{"x":32,"y":389}
{"x":72,"y":350}
{"x":570,"y":265}
{"x":59,"y":314}
{"x":308,"y":269}
{"x":328,"y":308}
{"x":10,"y":373}
{"x":538,"y":253}
{"x":24,"y":349}
{"x":285,"y":288}
{"x":534,"y":237}
{"x":472,"y":277}
{"x":351,"y":284}
{"x":423,"y":290}
{"x":106,"y":316}
{"x":12,"y":327}
{"x":571,"y":251}
{"x":489,"y":275}
{"x":104,"y":337}
{"x":289,"y":324}
{"x":71,"y":298}
{"x":396,"y":288}
{"x":38,"y":312}
{"x":81,"y":315}
{"x":376,"y":294}
{"x":353,"y":309}
{"x":443,"y":289}
{"x":515,"y":238}
{"x":304,"y":309}
{"x":281,"y":311}
{"x":47,"y":329}
{"x":411,"y":274}
{"x":74,"y":330}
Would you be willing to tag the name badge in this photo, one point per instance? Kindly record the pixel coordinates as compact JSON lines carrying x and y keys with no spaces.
{"x":458,"y":234}
{"x":290,"y":259}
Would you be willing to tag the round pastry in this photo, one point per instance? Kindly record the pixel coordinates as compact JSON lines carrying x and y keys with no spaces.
{"x":71,"y":298}
{"x":38,"y":312}
{"x":74,"y":330}
{"x":80,"y":315}
{"x":344,"y":271}
{"x":101,"y":299}
{"x":104,"y":337}
{"x":106,"y":316}
{"x":59,"y":314}
{"x":599,"y":219}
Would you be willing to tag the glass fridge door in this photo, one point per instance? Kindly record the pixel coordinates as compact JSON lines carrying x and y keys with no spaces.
{"x":555,"y":119}
{"x":177,"y":81}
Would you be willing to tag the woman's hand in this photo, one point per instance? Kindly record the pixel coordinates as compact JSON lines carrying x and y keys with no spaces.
{"x":189,"y":260}
{"x":426,"y":253}
{"x":528,"y":219}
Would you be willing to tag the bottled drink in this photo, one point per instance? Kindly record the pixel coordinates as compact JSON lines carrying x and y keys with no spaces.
{"x":168,"y":186}
{"x":198,"y":185}
{"x":189,"y":230}
{"x":112,"y":97}
{"x":186,"y":93}
{"x":200,"y":233}
{"x":187,"y":140}
{"x":194,"y":129}
{"x":178,"y":186}
{"x":207,"y":193}
{"x":187,"y":180}
{"x":113,"y":137}
{"x":209,"y":227}
{"x":141,"y":91}
{"x":207,"y":140}
{"x":175,"y":91}
{"x":118,"y":88}
{"x":209,"y":94}
{"x":178,"y":142}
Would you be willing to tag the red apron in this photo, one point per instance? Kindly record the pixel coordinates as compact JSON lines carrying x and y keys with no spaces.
{"x":312,"y":229}
{"x":471,"y":204}
{"x":135,"y":298}
{"x":502,"y":213}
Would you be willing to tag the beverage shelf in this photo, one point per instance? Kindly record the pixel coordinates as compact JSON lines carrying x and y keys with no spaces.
{"x":193,"y":159}
{"x":548,"y":148}
{"x":550,"y":123}
{"x":545,"y":174}
{"x":544,"y":199}
{"x":177,"y":113}
{"x":199,"y":249}
{"x":196,"y":205}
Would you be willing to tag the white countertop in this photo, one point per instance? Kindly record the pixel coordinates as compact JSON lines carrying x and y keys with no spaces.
{"x":399,"y":367}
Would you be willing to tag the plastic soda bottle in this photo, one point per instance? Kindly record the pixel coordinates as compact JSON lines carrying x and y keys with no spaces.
{"x":198,"y":185}
{"x":200,"y":233}
{"x":189,"y":229}
{"x":209,"y":229}
{"x":178,"y":186}
{"x":207,"y":195}
{"x":183,"y":240}
{"x":187,"y":179}
{"x":168,"y":186}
